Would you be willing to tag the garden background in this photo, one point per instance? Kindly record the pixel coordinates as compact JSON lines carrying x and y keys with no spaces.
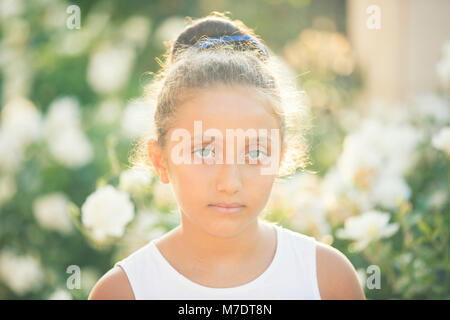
{"x":71,"y":109}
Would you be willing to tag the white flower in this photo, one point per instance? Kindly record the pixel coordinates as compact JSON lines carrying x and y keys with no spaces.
{"x":136,"y":29}
{"x":335,"y":197}
{"x":109,"y":111}
{"x":388,"y":190}
{"x":439,"y":198}
{"x":52,"y":18}
{"x":77,"y":43}
{"x":8,"y":189}
{"x":137,"y":118}
{"x":51,"y":211}
{"x":348,"y":118}
{"x":11,"y":152}
{"x":299,"y":197}
{"x":388,"y":113}
{"x":71,"y":148}
{"x":17,"y":74}
{"x":367,"y":227}
{"x":60,"y":294}
{"x":377,"y":148}
{"x":107,"y":211}
{"x":358,"y":161}
{"x":335,"y":191}
{"x":441,"y":140}
{"x":396,"y":143}
{"x":432,"y":107}
{"x":63,"y":112}
{"x":10,"y":8}
{"x":73,"y":43}
{"x":361,"y":199}
{"x":399,"y":148}
{"x":169,"y":29}
{"x":146,"y":219}
{"x":332,"y":183}
{"x":371,"y":166}
{"x":66,"y":141}
{"x":22,"y":273}
{"x":309,"y":215}
{"x":109,"y":68}
{"x":22,"y":119}
{"x":134,"y":180}
{"x":144,"y":229}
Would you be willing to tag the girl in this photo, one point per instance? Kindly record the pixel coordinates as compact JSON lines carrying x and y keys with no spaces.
{"x":220,"y":78}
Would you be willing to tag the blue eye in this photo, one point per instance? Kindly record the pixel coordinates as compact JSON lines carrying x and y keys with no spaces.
{"x":207,"y":152}
{"x":201,"y":151}
{"x":259,"y":152}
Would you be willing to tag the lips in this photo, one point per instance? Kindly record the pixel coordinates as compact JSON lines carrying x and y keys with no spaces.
{"x":227,"y":207}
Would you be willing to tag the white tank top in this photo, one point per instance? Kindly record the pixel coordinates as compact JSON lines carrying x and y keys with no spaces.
{"x":291,"y":274}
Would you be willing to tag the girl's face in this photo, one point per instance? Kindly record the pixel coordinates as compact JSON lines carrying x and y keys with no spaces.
{"x":199,"y":186}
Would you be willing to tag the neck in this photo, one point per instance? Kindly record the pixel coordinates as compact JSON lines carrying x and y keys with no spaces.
{"x":213,"y":250}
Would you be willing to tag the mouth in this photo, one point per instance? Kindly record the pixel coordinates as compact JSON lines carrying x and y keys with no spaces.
{"x":227,"y":207}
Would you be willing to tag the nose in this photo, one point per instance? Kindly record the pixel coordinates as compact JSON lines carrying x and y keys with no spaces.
{"x":228,"y":178}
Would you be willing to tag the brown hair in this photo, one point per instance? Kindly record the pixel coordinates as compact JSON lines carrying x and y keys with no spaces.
{"x":242,"y":63}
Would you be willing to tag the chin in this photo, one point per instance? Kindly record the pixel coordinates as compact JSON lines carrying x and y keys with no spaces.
{"x":226,"y":228}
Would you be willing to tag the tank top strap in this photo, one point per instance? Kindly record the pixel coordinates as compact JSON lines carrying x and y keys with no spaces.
{"x":140,"y":270}
{"x":303,"y":248}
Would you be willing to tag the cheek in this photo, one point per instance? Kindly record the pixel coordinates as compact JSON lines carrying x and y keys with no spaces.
{"x":190,"y":184}
{"x":258,"y":187}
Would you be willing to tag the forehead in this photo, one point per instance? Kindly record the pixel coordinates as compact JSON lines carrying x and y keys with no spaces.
{"x":225,"y":107}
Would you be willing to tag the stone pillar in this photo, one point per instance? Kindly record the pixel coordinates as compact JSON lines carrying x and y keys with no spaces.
{"x":399,"y":58}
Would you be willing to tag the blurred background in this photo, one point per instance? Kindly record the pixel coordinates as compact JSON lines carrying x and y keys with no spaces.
{"x":377,"y":75}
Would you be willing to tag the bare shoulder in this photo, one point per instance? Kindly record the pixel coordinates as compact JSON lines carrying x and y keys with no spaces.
{"x":114,"y":285}
{"x":336,"y":275}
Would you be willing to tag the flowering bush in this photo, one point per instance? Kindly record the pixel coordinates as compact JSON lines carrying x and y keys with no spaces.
{"x":378,"y":189}
{"x":384,"y":201}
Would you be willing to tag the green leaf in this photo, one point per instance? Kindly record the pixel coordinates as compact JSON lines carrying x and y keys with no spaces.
{"x":424,"y":227}
{"x":436,"y":233}
{"x":73,"y":210}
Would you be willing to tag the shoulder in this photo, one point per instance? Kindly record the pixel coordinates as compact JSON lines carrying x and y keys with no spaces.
{"x":114,"y":285}
{"x":337,"y":278}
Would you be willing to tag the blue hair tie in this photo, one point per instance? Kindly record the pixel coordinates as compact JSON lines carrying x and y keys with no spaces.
{"x":239,"y":37}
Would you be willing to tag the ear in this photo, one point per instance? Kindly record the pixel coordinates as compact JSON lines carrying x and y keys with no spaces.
{"x":156,"y":156}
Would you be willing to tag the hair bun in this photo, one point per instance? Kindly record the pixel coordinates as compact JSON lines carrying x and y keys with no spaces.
{"x":216,"y":25}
